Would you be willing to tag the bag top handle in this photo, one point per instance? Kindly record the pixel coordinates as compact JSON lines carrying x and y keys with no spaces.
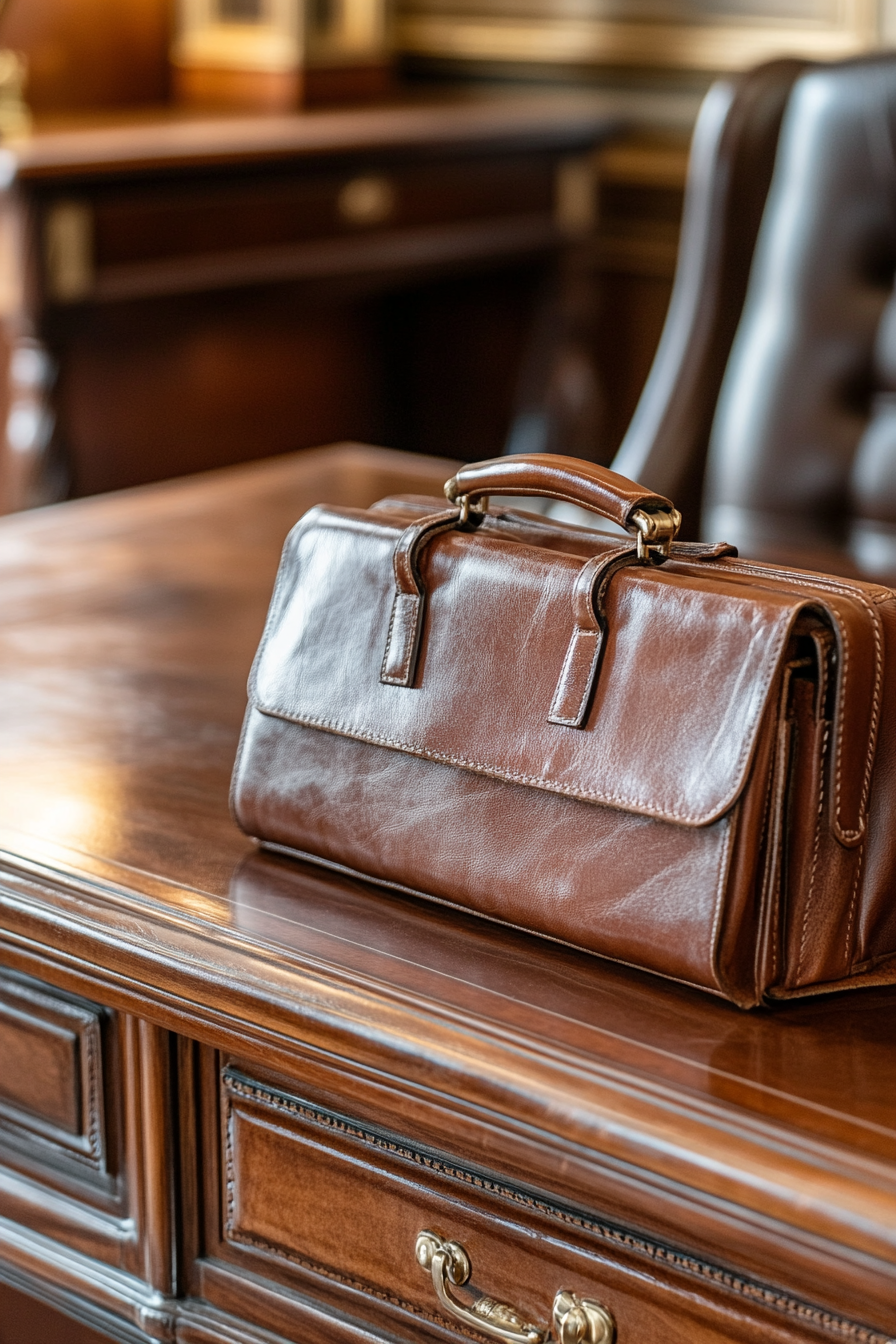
{"x":652,"y":518}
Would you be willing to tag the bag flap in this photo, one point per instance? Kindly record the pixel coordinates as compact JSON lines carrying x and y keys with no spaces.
{"x":689,"y":666}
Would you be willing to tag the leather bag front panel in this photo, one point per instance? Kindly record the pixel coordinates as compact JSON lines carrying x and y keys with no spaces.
{"x":640,"y":891}
{"x":687,"y":672}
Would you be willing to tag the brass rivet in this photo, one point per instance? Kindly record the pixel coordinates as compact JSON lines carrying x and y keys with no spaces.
{"x":367,"y":200}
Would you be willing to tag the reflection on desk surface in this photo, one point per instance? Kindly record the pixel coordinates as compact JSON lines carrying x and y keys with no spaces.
{"x":127,"y":627}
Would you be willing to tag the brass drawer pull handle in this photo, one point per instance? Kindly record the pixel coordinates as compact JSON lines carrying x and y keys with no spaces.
{"x":576,"y":1320}
{"x":367,"y":200}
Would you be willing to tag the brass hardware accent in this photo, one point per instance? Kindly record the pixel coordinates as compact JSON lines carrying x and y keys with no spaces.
{"x":15,"y":118}
{"x":448,"y":1263}
{"x":464,"y":502}
{"x":367,"y":200}
{"x":575,"y":195}
{"x":68,"y":249}
{"x":575,"y":1320}
{"x":452,"y":493}
{"x":578,"y":1320}
{"x":655,"y":531}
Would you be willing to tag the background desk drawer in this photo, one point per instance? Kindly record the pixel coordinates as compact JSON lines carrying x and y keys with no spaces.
{"x":323,"y":1205}
{"x":84,"y":1159}
{"x":209,"y":233}
{"x":51,"y":1076}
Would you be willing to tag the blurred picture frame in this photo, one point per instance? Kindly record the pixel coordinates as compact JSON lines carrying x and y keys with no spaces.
{"x":277,"y":54}
{"x":714,"y":35}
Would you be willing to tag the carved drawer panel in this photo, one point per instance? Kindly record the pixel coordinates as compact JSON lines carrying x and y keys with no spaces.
{"x":85,"y":1160}
{"x":124,"y":242}
{"x":51,"y":1072}
{"x":280,"y":209}
{"x":329,"y":1207}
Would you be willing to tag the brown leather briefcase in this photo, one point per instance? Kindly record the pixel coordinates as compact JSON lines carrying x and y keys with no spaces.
{"x":651,"y":750}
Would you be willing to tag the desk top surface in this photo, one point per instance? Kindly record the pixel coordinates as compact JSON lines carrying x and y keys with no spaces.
{"x":127,"y":627}
{"x":168,"y":138}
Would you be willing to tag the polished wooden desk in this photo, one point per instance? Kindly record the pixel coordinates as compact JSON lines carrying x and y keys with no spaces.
{"x":233,"y":1089}
{"x":181,"y":291}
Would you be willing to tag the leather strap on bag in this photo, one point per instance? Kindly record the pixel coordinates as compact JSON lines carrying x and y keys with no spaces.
{"x":406,"y":621}
{"x":652,"y":520}
{"x":582,"y":662}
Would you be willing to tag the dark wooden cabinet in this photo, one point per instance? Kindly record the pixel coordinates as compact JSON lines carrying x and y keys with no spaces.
{"x":234,"y":1089}
{"x":180,"y":292}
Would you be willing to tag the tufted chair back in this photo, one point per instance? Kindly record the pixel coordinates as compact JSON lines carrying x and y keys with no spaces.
{"x":802,"y":456}
{"x":730,"y":168}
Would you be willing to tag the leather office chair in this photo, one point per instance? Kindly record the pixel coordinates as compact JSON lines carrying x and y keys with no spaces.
{"x":801,"y":464}
{"x":803,"y":447}
{"x":730,"y":168}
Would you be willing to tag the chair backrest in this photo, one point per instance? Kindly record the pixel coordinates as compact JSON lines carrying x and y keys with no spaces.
{"x":803,"y":448}
{"x":730,"y":169}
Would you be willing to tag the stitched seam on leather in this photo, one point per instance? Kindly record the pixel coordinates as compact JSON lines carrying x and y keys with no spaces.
{"x":514,"y":776}
{"x":866,"y":784}
{"x":384,"y":676}
{"x":397,"y":678}
{"x":811,"y":892}
{"x":823,"y":584}
{"x":750,"y":1289}
{"x":720,"y":890}
{"x":558,"y":696}
{"x":574,"y":720}
{"x":832,"y":585}
{"x":841,"y":701}
{"x":765,"y":846}
{"x":763,"y":842}
{"x":852,"y":908}
{"x":589,"y":680}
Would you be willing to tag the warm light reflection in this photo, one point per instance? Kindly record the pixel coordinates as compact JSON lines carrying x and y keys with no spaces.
{"x":75,"y":805}
{"x":86,"y":817}
{"x":205,"y":907}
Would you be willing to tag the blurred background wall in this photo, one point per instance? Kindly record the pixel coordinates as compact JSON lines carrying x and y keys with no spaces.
{"x":91,"y":53}
{"x":435,"y":365}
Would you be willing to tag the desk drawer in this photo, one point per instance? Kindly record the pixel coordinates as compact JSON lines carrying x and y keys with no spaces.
{"x":361,"y":215}
{"x":51,"y":1076}
{"x":327,"y":1206}
{"x":84,"y":1129}
{"x":277,"y":209}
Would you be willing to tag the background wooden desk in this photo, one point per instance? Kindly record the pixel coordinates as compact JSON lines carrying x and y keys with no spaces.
{"x":232,"y":1089}
{"x":179,"y":292}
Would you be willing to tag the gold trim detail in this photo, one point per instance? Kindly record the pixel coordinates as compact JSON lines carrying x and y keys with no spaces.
{"x":730,"y":45}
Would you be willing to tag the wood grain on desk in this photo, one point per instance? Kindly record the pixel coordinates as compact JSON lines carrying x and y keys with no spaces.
{"x":141,"y":140}
{"x":754,"y":1155}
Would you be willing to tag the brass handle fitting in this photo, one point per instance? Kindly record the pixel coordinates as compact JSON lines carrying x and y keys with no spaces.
{"x":655,"y":529}
{"x":575,"y":1320}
